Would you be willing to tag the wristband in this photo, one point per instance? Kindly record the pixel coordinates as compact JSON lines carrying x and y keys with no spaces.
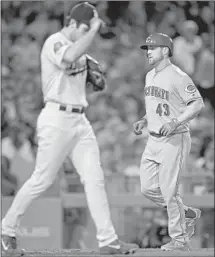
{"x":143,"y":118}
{"x":175,"y":120}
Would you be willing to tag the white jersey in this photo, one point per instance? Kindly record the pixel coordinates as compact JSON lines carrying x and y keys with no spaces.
{"x":62,"y":82}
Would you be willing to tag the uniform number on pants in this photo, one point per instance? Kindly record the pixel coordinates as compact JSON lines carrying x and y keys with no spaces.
{"x":163,"y":109}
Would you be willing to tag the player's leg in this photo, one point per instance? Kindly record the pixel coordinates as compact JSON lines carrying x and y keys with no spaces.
{"x":86,"y":159}
{"x":150,"y":186}
{"x":149,"y":181}
{"x":52,"y":150}
{"x":151,"y":189}
{"x":149,"y":167}
{"x":149,"y":177}
{"x":174,"y":157}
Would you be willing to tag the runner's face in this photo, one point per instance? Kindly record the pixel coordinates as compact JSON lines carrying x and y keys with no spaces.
{"x":154,"y":54}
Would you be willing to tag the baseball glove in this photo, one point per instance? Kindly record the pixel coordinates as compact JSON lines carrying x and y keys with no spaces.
{"x":95,"y":75}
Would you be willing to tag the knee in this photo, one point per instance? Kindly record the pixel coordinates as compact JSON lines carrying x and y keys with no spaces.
{"x":91,"y":174}
{"x":40,"y":183}
{"x":93,"y":182}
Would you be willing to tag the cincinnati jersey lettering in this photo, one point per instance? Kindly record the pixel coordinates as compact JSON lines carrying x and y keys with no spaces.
{"x":156,"y":92}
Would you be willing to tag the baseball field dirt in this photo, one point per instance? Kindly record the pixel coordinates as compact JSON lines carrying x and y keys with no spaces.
{"x":209,"y":252}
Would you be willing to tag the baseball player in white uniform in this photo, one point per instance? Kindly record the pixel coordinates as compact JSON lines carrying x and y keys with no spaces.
{"x":64,"y":131}
{"x":171,"y":101}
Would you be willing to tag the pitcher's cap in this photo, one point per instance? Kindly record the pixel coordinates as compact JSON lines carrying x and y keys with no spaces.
{"x":83,"y":13}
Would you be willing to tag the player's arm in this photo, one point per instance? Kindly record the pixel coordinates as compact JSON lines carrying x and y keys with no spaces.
{"x":140,"y":124}
{"x":61,"y":53}
{"x":192,"y":110}
{"x":80,"y":47}
{"x":192,"y":98}
{"x":144,"y":117}
{"x":194,"y":104}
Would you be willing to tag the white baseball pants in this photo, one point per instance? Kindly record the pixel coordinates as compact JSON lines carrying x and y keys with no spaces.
{"x":162,"y":163}
{"x":62,"y":134}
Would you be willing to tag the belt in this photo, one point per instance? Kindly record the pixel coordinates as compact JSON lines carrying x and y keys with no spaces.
{"x":67,"y":107}
{"x":74,"y":108}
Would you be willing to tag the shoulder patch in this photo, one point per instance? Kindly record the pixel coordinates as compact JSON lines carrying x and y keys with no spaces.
{"x":57,"y":46}
{"x":190,"y":88}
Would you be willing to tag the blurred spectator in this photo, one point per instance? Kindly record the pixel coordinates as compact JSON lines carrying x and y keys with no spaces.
{"x":155,"y":11}
{"x":8,"y":180}
{"x":25,"y":54}
{"x":116,"y":10}
{"x":204,"y":74}
{"x":5,"y":48}
{"x":13,"y":142}
{"x":74,"y":229}
{"x":4,"y":122}
{"x":39,"y":28}
{"x":208,"y":228}
{"x":173,"y":16}
{"x":207,"y":18}
{"x":17,"y":148}
{"x":187,"y":46}
{"x":153,"y":231}
{"x":205,"y":143}
{"x":158,"y":234}
{"x":209,"y":157}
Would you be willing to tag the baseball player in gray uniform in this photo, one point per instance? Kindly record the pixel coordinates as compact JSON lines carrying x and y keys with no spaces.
{"x":64,"y":131}
{"x":171,"y":101}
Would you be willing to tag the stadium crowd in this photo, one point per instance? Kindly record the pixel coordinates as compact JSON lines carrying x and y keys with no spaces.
{"x":25,"y":26}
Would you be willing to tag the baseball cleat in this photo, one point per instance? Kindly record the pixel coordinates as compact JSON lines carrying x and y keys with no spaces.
{"x":118,"y":247}
{"x":190,"y":222}
{"x":9,"y":246}
{"x":175,"y":245}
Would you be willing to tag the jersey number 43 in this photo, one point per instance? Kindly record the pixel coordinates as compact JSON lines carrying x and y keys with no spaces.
{"x":163,"y":109}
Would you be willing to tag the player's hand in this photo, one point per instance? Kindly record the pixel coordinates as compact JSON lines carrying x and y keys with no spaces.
{"x":138,"y":126}
{"x":96,"y":23}
{"x":169,"y":127}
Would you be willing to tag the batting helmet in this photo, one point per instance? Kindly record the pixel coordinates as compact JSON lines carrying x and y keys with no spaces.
{"x":158,"y":39}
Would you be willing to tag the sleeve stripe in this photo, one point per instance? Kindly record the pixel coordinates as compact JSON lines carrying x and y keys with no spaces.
{"x":193,"y":99}
{"x":78,"y":70}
